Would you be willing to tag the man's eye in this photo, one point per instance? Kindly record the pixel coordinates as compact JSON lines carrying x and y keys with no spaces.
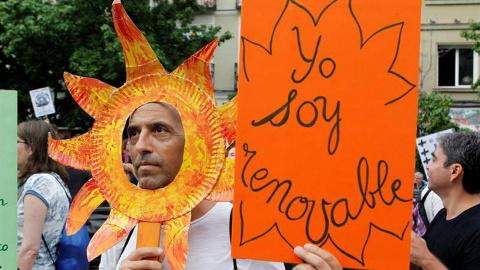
{"x":133,"y":133}
{"x":160,"y":129}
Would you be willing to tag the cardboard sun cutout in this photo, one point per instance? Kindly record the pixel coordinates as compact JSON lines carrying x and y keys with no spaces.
{"x":205,"y":173}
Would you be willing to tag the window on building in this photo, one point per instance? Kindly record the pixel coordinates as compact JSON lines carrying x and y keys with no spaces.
{"x":209,"y":4}
{"x":457,"y":66}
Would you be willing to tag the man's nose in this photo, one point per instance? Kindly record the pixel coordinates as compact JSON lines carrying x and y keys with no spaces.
{"x":144,"y":143}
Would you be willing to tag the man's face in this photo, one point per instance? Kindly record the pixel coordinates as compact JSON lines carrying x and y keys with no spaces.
{"x":156,"y":144}
{"x":231,"y":153}
{"x":438,"y":175}
{"x":418,"y":180}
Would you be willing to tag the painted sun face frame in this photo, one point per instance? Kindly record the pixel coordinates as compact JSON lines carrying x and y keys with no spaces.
{"x":203,"y":155}
{"x":205,"y":173}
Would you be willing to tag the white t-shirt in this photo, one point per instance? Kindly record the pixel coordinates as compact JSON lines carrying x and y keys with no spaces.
{"x":208,"y":245}
{"x":432,"y":204}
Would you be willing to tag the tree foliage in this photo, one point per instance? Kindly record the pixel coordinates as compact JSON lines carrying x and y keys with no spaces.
{"x":433,"y":116}
{"x":39,"y":40}
{"x":474,"y":34}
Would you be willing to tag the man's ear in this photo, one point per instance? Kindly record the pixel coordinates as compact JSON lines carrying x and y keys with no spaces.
{"x":456,"y":172}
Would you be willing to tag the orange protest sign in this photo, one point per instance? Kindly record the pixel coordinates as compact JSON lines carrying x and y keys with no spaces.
{"x":326,"y":130}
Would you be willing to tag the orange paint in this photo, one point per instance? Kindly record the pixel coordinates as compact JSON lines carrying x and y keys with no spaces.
{"x":149,"y":236}
{"x":90,"y":94}
{"x":85,"y":202}
{"x":175,"y":241}
{"x":223,"y":190}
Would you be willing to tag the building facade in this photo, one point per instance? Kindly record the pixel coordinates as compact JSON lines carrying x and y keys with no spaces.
{"x":224,"y":13}
{"x":448,"y":64}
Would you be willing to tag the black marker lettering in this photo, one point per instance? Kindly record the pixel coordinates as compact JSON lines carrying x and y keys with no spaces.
{"x":291,"y":96}
{"x":334,"y":136}
{"x":340,"y":211}
{"x":322,"y":68}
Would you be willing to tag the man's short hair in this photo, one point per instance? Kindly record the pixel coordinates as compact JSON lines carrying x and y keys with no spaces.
{"x":419,"y":174}
{"x":464,"y":148}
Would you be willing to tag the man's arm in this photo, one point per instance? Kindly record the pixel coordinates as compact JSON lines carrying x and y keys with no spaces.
{"x":316,"y":258}
{"x":421,"y":256}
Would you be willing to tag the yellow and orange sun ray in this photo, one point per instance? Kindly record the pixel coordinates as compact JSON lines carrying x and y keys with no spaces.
{"x":175,"y":241}
{"x":228,"y":115}
{"x":205,"y":173}
{"x":140,"y":59}
{"x":90,"y":94}
{"x":223,"y":190}
{"x":197,"y":68}
{"x":86,"y":201}
{"x":71,"y":152}
{"x":115,"y":228}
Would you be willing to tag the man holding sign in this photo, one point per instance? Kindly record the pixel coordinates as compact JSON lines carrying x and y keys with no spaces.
{"x":156,"y":139}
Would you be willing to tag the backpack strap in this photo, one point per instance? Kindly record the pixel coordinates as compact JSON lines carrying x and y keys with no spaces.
{"x":61,"y":185}
{"x":126,"y":242}
{"x":49,"y":253}
{"x":425,"y":197}
{"x":230,"y":229}
{"x":70,"y":200}
{"x":421,"y":209}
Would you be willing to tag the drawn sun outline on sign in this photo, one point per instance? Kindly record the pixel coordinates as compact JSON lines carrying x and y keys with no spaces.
{"x":315,"y":22}
{"x":363,"y":43}
{"x":205,"y":173}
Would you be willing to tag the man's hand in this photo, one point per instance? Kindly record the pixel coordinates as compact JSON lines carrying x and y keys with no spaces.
{"x":316,"y":259}
{"x":135,"y":260}
{"x":421,"y":256}
{"x":418,"y":248}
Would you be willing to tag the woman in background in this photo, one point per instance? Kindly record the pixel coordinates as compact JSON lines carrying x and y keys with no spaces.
{"x":42,"y":204}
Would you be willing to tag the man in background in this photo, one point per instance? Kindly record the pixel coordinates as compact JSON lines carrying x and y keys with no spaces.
{"x":453,"y":239}
{"x":419,"y":184}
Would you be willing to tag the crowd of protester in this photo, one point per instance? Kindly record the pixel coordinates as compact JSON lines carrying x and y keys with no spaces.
{"x":446,"y":208}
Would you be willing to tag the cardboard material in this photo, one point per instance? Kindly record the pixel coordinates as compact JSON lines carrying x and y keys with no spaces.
{"x":204,"y":173}
{"x":326,"y":130}
{"x":426,"y":146}
{"x":42,"y":101}
{"x":8,"y":192}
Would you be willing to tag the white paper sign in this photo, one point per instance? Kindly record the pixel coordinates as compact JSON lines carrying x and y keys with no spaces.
{"x":42,"y":101}
{"x":426,"y":146}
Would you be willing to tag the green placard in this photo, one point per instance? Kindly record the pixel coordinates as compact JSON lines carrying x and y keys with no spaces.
{"x":8,"y":172}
